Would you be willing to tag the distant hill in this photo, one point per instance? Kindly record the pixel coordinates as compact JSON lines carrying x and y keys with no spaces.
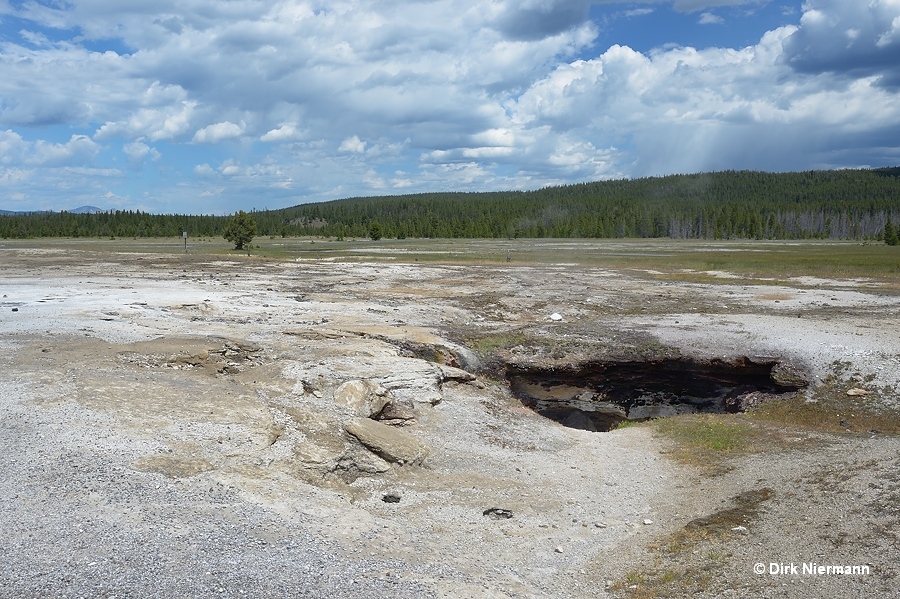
{"x":22,"y":212}
{"x":840,"y":204}
{"x":79,"y":210}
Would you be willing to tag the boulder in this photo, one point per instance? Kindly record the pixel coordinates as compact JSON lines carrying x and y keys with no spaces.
{"x":357,"y":460}
{"x":788,"y":375}
{"x":449,"y":373}
{"x":388,"y":443}
{"x":397,"y":413}
{"x":364,"y":398}
{"x":415,"y":380}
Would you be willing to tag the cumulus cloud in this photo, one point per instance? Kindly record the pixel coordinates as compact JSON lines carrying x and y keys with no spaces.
{"x":217,"y":133}
{"x":282,"y":134}
{"x":137,"y":152}
{"x":353,"y":145}
{"x":848,"y":38}
{"x":537,"y":19}
{"x":709,"y":18}
{"x":345,"y":98}
{"x":230,"y":169}
{"x":204,"y":170}
{"x":12,"y":147}
{"x":80,"y":150}
{"x":683,"y":109}
{"x":169,"y":121}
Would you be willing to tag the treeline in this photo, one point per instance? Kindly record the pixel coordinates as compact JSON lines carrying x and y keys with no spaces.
{"x":115,"y":223}
{"x":847,"y":204}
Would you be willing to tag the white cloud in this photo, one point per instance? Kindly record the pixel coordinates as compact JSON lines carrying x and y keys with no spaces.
{"x":709,"y":18}
{"x":891,"y":36}
{"x":682,"y":110}
{"x":353,"y":96}
{"x":137,"y":152}
{"x":282,"y":134}
{"x":12,"y":147}
{"x":352,"y":145}
{"x":78,"y":151}
{"x":230,"y":169}
{"x":871,"y":34}
{"x":204,"y":170}
{"x":217,"y":133}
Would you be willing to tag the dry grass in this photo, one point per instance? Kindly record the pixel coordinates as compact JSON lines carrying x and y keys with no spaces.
{"x":749,"y":261}
{"x":832,"y":410}
{"x":711,"y":441}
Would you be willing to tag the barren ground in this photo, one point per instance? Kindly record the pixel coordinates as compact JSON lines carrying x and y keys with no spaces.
{"x":177,"y":425}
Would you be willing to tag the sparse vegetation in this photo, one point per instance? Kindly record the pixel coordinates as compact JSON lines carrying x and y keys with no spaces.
{"x":709,"y":441}
{"x":688,"y":560}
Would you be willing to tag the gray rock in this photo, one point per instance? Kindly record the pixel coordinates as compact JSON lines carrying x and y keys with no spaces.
{"x":394,"y":411}
{"x":364,"y":398}
{"x":789,"y":375}
{"x":388,"y":443}
{"x":415,"y":380}
{"x":449,"y":373}
{"x":357,"y":460}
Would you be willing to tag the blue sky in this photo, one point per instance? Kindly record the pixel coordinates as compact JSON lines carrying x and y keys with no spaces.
{"x":205,"y":106}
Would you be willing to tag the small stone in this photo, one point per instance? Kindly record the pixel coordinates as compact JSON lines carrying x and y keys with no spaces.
{"x":857,"y":392}
{"x":740,"y":529}
{"x":15,"y":309}
{"x":498,"y":513}
{"x":647,"y":522}
{"x":556,"y":316}
{"x":558,"y":549}
{"x":392,"y":497}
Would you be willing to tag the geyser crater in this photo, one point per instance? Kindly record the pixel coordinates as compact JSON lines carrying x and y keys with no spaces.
{"x":597,"y":396}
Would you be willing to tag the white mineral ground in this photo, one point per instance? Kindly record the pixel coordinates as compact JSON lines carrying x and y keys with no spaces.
{"x":169,"y":426}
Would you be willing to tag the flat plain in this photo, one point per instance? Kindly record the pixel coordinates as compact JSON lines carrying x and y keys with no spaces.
{"x":319,"y":417}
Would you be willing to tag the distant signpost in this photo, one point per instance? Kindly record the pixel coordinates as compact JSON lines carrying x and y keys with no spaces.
{"x":184,"y":235}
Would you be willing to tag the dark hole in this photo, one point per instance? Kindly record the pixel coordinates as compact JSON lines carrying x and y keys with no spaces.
{"x":597,"y":396}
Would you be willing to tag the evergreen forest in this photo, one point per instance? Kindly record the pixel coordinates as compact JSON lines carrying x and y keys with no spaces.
{"x":843,"y":204}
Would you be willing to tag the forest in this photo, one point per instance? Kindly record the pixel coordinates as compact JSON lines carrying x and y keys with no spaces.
{"x":840,"y":204}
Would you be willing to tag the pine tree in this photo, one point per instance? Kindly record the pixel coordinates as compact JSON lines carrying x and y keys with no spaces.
{"x":375,"y":231}
{"x":241,"y":229}
{"x":891,"y":236}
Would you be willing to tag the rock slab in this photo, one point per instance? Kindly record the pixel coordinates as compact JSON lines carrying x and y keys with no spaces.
{"x":389,"y":443}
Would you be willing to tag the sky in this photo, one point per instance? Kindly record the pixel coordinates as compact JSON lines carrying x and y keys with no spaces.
{"x":214,"y":106}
